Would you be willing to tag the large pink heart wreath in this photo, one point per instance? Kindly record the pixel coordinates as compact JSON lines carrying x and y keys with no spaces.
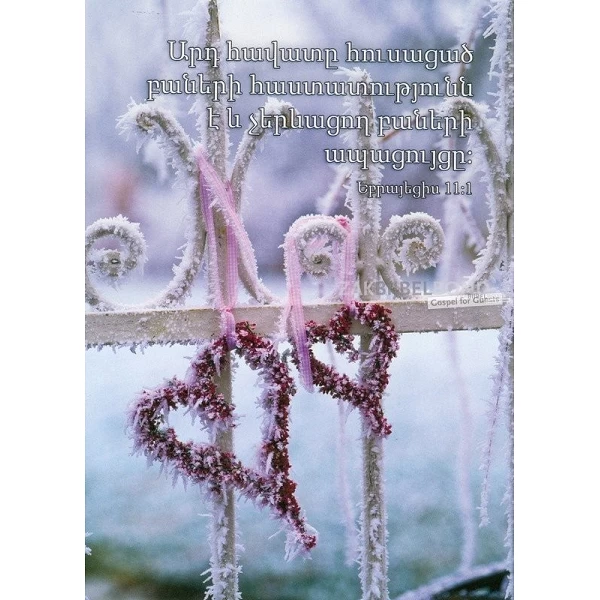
{"x":366,"y":394}
{"x":269,"y":484}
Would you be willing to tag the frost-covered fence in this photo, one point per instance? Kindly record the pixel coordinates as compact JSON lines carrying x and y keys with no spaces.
{"x":357,"y":254}
{"x":188,"y":325}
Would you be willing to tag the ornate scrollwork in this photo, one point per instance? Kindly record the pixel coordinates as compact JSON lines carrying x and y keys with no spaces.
{"x":499,"y":195}
{"x":154,"y":121}
{"x":412,"y":242}
{"x":178,"y":148}
{"x":108,"y":264}
{"x":317,"y":239}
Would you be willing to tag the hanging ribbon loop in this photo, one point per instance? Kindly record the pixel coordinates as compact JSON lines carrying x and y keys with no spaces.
{"x":302,"y":238}
{"x":217,"y":195}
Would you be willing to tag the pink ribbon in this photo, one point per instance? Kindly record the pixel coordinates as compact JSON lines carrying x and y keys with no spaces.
{"x":348,"y":266}
{"x":213,"y":192}
{"x":294,"y":310}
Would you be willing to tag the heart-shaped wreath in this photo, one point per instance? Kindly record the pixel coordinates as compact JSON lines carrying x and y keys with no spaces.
{"x":366,"y":394}
{"x":269,"y":484}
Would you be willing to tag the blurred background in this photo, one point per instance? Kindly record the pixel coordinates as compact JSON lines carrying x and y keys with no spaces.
{"x":148,"y":539}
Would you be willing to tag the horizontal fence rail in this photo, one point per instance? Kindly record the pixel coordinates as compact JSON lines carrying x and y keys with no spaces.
{"x":188,"y":325}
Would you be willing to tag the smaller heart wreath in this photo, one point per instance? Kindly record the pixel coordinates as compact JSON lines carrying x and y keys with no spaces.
{"x":367,"y":393}
{"x":268,"y":485}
